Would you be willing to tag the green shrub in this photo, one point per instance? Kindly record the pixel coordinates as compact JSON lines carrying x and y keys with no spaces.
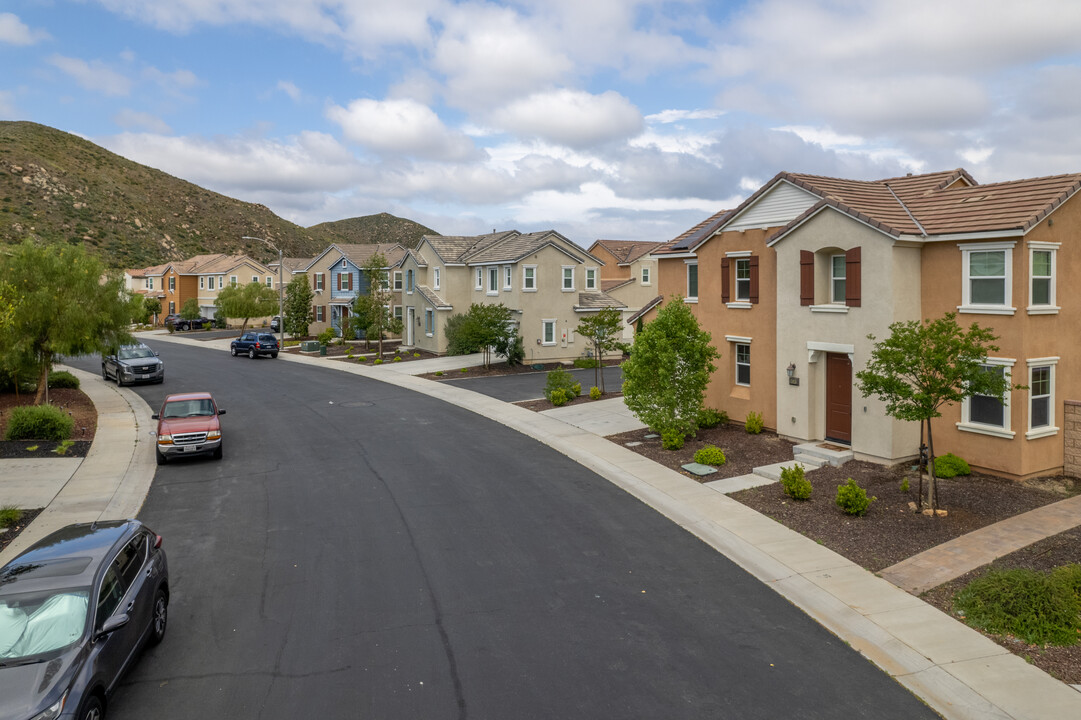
{"x":853,"y":499}
{"x":584,"y":362}
{"x":710,"y":455}
{"x":1039,"y":608}
{"x":594,"y":393}
{"x":754,"y":423}
{"x":39,"y":422}
{"x":465,"y":369}
{"x":326,"y":337}
{"x":397,"y":358}
{"x":439,"y":373}
{"x":672,"y":439}
{"x":949,"y":465}
{"x":416,"y":355}
{"x":795,"y":483}
{"x":63,"y":379}
{"x":560,"y":379}
{"x":377,"y":361}
{"x":63,"y":447}
{"x":10,"y":516}
{"x":904,"y":485}
{"x":558,"y":397}
{"x":710,"y":418}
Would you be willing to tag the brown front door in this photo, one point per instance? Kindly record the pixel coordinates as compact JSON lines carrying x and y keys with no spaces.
{"x":838,"y":398}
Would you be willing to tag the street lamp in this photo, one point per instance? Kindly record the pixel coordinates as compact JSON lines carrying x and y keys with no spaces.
{"x":281,"y":313}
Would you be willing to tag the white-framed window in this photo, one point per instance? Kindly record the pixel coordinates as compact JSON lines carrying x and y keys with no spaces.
{"x":548,"y":332}
{"x":1041,"y":282}
{"x":202,"y":282}
{"x":591,"y":278}
{"x":397,"y":279}
{"x":743,"y":364}
{"x":837,"y":279}
{"x":150,"y":283}
{"x":270,"y":281}
{"x":568,"y":278}
{"x":232,"y":280}
{"x":172,"y":307}
{"x":493,"y":280}
{"x":210,"y":283}
{"x":319,"y":313}
{"x":743,"y":279}
{"x":429,"y":322}
{"x":221,"y":281}
{"x":645,"y":275}
{"x":987,"y":276}
{"x":435,"y":278}
{"x":398,"y":313}
{"x":692,"y":280}
{"x":986,"y":414}
{"x":1041,"y":397}
{"x":172,"y":283}
{"x":529,"y":278}
{"x":507,"y":277}
{"x":480,"y":279}
{"x":319,"y":281}
{"x":255,"y":278}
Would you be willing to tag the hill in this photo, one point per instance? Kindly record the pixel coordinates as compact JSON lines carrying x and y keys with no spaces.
{"x":58,"y":187}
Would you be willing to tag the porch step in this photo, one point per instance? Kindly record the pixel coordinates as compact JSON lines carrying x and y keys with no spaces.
{"x":827,"y":452}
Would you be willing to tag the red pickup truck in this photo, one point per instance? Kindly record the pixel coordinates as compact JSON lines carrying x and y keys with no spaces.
{"x":188,"y":425}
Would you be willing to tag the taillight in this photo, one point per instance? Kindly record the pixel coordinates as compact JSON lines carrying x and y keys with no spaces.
{"x":157,"y":541}
{"x":258,"y":346}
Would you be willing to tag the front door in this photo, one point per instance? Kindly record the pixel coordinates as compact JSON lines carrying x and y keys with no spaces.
{"x":410,"y":318}
{"x":838,"y":398}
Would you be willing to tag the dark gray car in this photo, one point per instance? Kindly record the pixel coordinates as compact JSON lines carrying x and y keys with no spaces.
{"x":75,"y":609}
{"x":133,"y":364}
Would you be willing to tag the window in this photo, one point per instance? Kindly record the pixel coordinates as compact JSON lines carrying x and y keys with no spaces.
{"x":493,"y":281}
{"x":429,"y":322}
{"x":837,"y":279}
{"x":568,"y":278}
{"x":319,"y":281}
{"x":692,"y":281}
{"x":150,"y":283}
{"x":986,"y":269}
{"x":743,"y":279}
{"x":529,"y":277}
{"x":398,"y":313}
{"x":1041,"y":296}
{"x":480,"y":279}
{"x":1041,"y":394}
{"x":645,"y":275}
{"x":344,"y":266}
{"x":221,"y":281}
{"x":269,"y":281}
{"x":743,"y":364}
{"x":987,"y":414}
{"x":255,"y":278}
{"x":435,"y":278}
{"x":506,"y":277}
{"x":397,"y":279}
{"x":172,"y":308}
{"x":172,"y":283}
{"x":210,"y":283}
{"x":591,"y":278}
{"x":548,"y":332}
{"x":410,"y":280}
{"x":345,"y":281}
{"x":202,"y":281}
{"x":232,"y":280}
{"x":319,"y":313}
{"x":109,"y":597}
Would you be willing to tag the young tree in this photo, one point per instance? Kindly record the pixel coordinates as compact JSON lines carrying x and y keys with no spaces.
{"x":372,"y":310}
{"x":153,"y":306}
{"x":922,"y":366}
{"x":190,"y":310}
{"x":246,"y":301}
{"x":601,"y":328}
{"x":483,"y":329}
{"x":298,"y":306}
{"x":62,"y":307}
{"x":665,"y":378}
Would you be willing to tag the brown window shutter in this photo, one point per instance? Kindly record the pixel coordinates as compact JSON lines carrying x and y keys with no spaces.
{"x":754,"y":277}
{"x":852,"y":277}
{"x":726,"y":280}
{"x":806,"y":277}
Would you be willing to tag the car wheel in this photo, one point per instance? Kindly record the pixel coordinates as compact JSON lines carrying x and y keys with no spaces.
{"x":119,"y":380}
{"x":92,"y":709}
{"x":273,"y":354}
{"x":104,"y":373}
{"x":160,"y":618}
{"x":232,"y":351}
{"x":251,"y":353}
{"x":218,"y":452}
{"x":161,"y":458}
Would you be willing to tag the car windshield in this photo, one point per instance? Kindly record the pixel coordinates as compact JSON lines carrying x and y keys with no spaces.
{"x":188,"y":408}
{"x":36,"y":623}
{"x":131,"y":353}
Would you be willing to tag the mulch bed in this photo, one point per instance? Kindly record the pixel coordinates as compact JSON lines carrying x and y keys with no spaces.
{"x":74,"y":402}
{"x":13,"y":532}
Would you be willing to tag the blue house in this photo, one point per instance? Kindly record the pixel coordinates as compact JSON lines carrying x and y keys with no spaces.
{"x":336,"y":277}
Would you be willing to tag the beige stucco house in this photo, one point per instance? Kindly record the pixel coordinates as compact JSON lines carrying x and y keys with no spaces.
{"x":548,"y":282}
{"x":199,"y":277}
{"x":629,"y":275}
{"x":336,"y":279}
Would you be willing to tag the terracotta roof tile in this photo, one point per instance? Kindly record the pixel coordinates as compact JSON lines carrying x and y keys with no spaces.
{"x":596,"y":301}
{"x":627,"y":251}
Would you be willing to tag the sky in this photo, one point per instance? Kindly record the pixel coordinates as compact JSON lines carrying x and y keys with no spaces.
{"x":613,"y":119}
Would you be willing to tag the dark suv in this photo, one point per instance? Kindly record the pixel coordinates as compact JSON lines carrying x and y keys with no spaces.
{"x":179,"y":323}
{"x":255,"y":343}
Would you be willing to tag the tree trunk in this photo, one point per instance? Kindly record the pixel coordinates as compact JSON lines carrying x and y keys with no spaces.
{"x":598,"y":376}
{"x":42,"y":394}
{"x":932,"y":481}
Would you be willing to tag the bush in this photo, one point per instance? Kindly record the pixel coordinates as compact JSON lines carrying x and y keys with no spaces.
{"x":795,"y":482}
{"x":594,"y":393}
{"x":39,"y":422}
{"x":63,"y":379}
{"x":853,"y":499}
{"x":754,"y":423}
{"x":584,"y":362}
{"x":672,"y":439}
{"x":416,"y":355}
{"x":904,"y":485}
{"x":439,"y":373}
{"x":949,"y":465}
{"x":560,"y":379}
{"x":397,"y":358}
{"x":326,"y":337}
{"x":710,"y":455}
{"x":1039,"y":608}
{"x":377,"y":361}
{"x":558,"y":397}
{"x":10,"y":516}
{"x":710,"y":418}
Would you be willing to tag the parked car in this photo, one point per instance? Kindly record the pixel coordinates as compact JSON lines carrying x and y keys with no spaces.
{"x":188,"y":425}
{"x":179,"y":323}
{"x":75,"y":608}
{"x":132,"y":364}
{"x":254,"y":343}
{"x":276,"y":323}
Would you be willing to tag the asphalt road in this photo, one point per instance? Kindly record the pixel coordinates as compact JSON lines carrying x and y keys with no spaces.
{"x":367,"y":552}
{"x":530,"y":386}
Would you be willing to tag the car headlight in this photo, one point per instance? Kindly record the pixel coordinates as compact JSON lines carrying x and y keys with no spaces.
{"x":213,"y":435}
{"x":53,"y":711}
{"x":165,"y":439}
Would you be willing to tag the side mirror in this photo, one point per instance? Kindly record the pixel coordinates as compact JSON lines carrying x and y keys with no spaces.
{"x":221,"y":412}
{"x":114,"y":623}
{"x":155,"y":417}
{"x":156,"y":353}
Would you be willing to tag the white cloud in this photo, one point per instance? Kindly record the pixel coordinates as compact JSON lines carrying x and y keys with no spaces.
{"x":95,"y":76}
{"x":171,"y":81}
{"x":825,"y":137}
{"x":132,"y":119}
{"x":573,"y":118}
{"x":290,"y":89}
{"x":14,"y":32}
{"x":671,"y":116}
{"x":7,"y":106}
{"x":401,"y":127}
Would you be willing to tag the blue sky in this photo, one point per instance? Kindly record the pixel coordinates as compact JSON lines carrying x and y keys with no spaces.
{"x":598,"y":118}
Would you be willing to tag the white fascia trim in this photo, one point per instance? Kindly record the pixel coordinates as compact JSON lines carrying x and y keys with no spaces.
{"x":1004,"y":245}
{"x":739,"y":254}
{"x":1042,"y":361}
{"x":792,"y":229}
{"x":831,"y":347}
{"x":1041,"y":245}
{"x":693,"y":260}
{"x":677,"y":256}
{"x":738,"y":339}
{"x":954,"y":237}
